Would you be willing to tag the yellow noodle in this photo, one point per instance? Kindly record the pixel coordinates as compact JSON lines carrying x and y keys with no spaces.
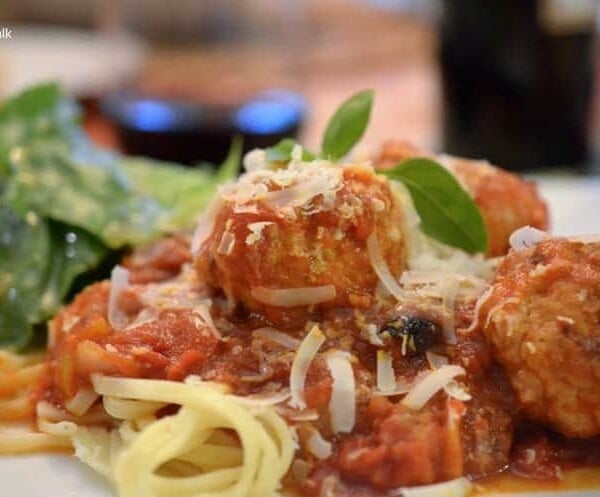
{"x":16,"y":409}
{"x":130,"y":409}
{"x":12,"y":382}
{"x":26,"y":442}
{"x":191,"y":453}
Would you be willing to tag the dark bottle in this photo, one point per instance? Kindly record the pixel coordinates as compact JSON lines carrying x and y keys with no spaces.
{"x":517,"y":78}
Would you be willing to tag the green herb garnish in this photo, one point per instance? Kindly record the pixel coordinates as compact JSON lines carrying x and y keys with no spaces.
{"x":282,"y":152}
{"x":347,"y":125}
{"x":344,"y":130}
{"x":448,"y":213}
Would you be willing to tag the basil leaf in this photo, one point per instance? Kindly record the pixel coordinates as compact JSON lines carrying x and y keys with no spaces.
{"x":347,"y":125}
{"x":230,"y":167}
{"x":282,"y":152}
{"x":448,"y":213}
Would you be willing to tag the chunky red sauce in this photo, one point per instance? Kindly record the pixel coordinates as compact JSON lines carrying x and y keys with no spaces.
{"x":390,"y":445}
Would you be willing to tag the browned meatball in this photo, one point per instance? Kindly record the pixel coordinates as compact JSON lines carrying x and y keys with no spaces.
{"x":542,"y":319}
{"x":406,"y":447}
{"x":506,"y":201}
{"x":444,"y":440}
{"x":158,"y":261}
{"x":298,"y":229}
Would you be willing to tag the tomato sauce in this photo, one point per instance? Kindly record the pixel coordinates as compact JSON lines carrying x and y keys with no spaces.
{"x":390,"y":445}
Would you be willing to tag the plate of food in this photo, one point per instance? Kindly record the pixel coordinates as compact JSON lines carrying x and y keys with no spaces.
{"x":322,"y":325}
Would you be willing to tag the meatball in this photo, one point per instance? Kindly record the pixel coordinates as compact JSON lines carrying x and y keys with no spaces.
{"x":506,"y":201}
{"x":542,"y":318}
{"x":405,"y":447}
{"x":158,"y":261}
{"x":444,"y":440}
{"x":303,"y":230}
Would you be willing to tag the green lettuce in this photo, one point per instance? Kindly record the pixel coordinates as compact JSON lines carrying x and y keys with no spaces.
{"x":65,"y":206}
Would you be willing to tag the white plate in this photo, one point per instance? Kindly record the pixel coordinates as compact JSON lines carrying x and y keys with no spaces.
{"x":574,"y":204}
{"x":65,"y":476}
{"x":44,"y":475}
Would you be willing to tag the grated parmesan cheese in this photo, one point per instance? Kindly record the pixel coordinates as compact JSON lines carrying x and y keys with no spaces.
{"x":431,"y":384}
{"x":304,"y":356}
{"x":293,"y":297}
{"x":342,"y":405}
{"x":256,"y":230}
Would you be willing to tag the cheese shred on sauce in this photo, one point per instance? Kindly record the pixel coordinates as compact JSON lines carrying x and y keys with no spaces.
{"x":302,"y":361}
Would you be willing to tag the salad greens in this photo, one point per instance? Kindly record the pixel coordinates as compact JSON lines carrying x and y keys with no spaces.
{"x":65,"y":205}
{"x":39,"y":260}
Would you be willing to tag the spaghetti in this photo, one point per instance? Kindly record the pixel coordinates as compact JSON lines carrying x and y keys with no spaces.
{"x":19,"y":375}
{"x":214,"y":443}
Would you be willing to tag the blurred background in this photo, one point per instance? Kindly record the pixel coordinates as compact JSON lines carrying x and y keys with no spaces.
{"x":509,"y":80}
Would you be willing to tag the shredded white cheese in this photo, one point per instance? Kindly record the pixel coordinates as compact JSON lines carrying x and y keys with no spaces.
{"x":526,"y":237}
{"x":81,"y":401}
{"x":318,"y":446}
{"x":296,"y":186}
{"x":227,"y":243}
{"x":293,"y":297}
{"x":369,"y":332}
{"x":460,"y":487}
{"x":205,"y":225}
{"x":276,"y":336}
{"x":119,"y":280}
{"x":386,"y":377}
{"x":256,"y":230}
{"x":381,"y":268}
{"x":452,"y":388}
{"x":304,"y":356}
{"x":342,"y":405}
{"x":202,"y":310}
{"x":426,"y":388}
